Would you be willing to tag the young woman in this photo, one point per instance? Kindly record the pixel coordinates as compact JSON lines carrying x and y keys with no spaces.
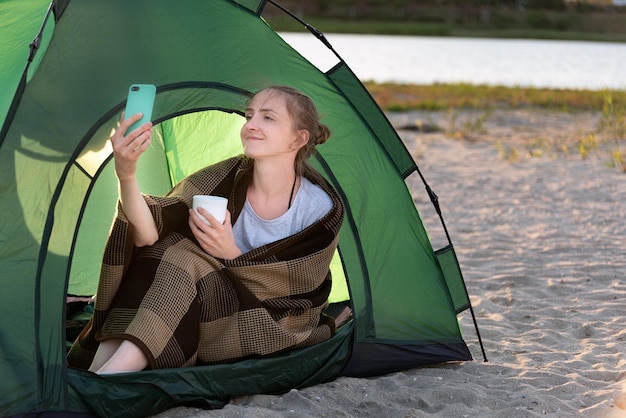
{"x":175,"y":291}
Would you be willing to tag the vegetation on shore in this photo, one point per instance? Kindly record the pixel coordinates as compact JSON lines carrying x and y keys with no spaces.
{"x":609,"y":138}
{"x":610,"y":134}
{"x":402,"y":97}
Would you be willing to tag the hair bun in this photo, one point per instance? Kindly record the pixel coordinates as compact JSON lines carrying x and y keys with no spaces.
{"x":324,"y":133}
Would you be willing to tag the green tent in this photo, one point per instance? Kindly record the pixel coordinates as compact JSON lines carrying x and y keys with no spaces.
{"x":65,"y":68}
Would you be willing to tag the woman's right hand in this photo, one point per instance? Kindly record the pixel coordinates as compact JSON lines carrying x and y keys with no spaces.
{"x":128,"y":147}
{"x":126,"y":152}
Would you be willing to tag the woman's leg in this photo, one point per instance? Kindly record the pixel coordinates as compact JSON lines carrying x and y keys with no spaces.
{"x":148,"y":297}
{"x":127,"y":358}
{"x":105,"y":351}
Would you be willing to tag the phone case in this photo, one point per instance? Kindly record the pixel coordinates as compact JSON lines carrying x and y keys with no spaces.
{"x":140,"y":100}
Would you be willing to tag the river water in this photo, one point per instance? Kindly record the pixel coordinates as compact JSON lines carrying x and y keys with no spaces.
{"x":505,"y":62}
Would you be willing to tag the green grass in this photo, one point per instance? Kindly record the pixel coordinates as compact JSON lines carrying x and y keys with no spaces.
{"x":403,"y":97}
{"x":609,"y":135}
{"x":611,"y":104}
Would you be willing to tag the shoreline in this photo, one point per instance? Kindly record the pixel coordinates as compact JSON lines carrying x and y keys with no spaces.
{"x":398,"y":97}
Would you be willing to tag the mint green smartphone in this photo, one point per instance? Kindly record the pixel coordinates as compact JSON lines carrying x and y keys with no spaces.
{"x":140,"y":100}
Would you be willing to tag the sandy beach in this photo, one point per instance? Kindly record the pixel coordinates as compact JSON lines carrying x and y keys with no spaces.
{"x":540,"y":233}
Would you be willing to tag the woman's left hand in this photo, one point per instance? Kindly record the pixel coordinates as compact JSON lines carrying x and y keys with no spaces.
{"x":216,"y":239}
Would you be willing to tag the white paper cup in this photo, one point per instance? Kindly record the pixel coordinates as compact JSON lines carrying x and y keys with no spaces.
{"x":215,"y":205}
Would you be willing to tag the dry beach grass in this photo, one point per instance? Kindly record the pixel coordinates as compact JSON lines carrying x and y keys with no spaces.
{"x":540,"y":238}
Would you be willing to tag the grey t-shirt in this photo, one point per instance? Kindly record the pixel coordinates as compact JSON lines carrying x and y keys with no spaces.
{"x":310,"y":204}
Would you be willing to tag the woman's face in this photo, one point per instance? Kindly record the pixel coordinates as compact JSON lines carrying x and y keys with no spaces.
{"x":269,"y":128}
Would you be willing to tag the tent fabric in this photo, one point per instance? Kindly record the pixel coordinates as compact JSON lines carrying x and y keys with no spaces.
{"x":208,"y":386}
{"x":58,"y":194}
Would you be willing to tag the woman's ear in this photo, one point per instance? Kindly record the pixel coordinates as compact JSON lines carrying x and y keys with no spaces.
{"x":302,"y":137}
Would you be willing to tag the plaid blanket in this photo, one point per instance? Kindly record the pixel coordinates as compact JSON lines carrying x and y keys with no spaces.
{"x":182,"y":306}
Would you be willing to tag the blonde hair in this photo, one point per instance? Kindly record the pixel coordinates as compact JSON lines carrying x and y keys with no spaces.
{"x":305,"y":116}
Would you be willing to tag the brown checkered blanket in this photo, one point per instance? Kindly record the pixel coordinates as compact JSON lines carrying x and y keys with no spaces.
{"x":185,"y":307}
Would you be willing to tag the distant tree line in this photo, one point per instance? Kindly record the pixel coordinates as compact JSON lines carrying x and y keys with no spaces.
{"x":557,"y":5}
{"x":518,"y":18}
{"x":417,"y":10}
{"x":528,"y":4}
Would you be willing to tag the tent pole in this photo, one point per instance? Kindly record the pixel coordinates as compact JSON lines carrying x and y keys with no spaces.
{"x":435,"y":201}
{"x":480,"y":340}
{"x":317,"y":33}
{"x":34,"y":47}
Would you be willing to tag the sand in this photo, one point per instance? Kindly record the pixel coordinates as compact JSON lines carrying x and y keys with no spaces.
{"x":541,"y":240}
